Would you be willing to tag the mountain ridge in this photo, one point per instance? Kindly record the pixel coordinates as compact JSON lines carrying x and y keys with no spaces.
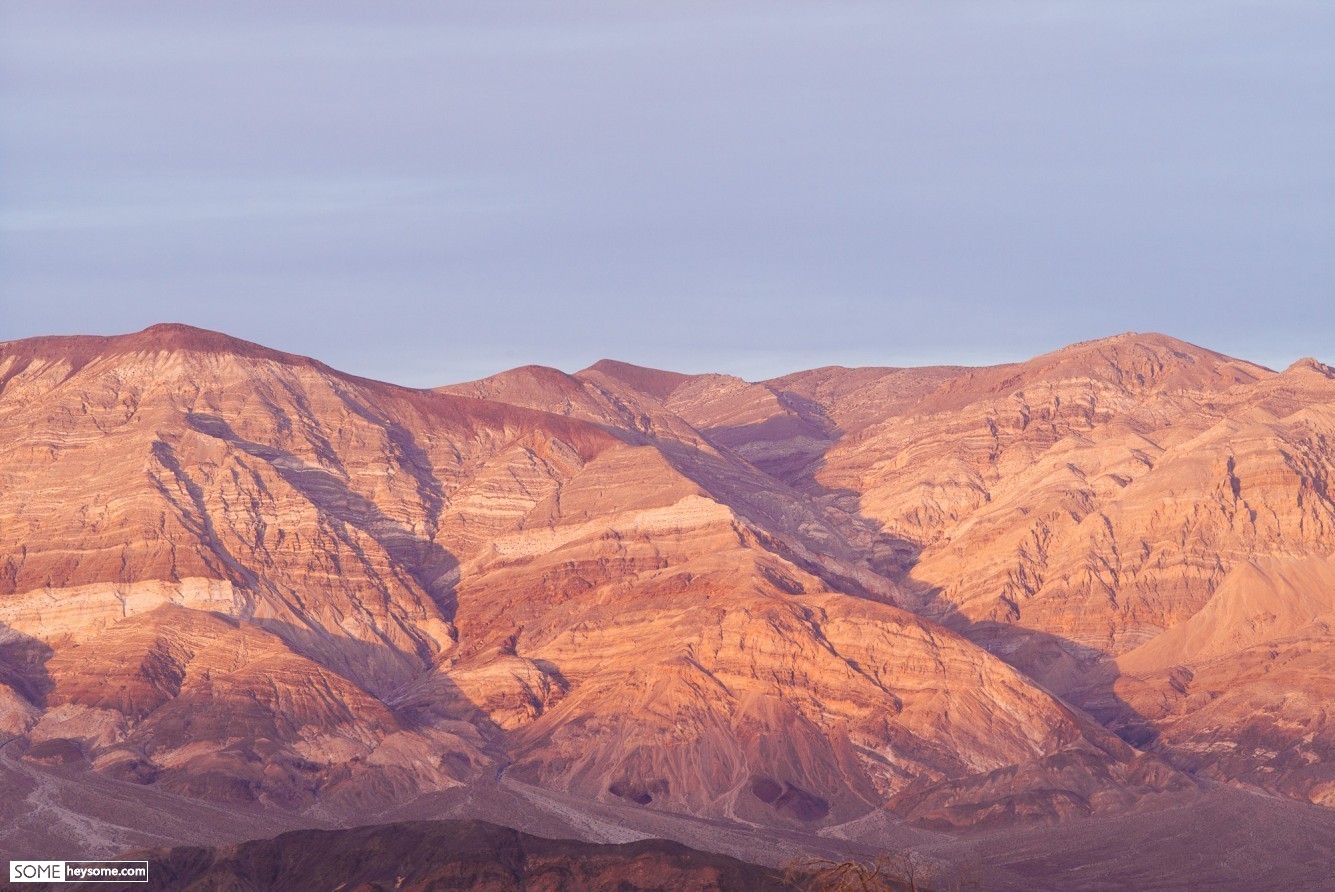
{"x":788,"y":604}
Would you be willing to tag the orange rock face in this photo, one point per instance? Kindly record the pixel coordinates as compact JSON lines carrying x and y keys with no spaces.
{"x":1062,"y":513}
{"x":242,"y":576}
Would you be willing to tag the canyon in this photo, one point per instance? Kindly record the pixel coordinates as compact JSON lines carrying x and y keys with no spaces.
{"x":983,"y":614}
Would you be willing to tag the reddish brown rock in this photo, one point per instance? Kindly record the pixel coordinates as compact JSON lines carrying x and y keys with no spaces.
{"x":242,"y":576}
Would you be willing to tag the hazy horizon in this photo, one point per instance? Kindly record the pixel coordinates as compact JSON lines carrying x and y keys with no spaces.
{"x":428,"y":193}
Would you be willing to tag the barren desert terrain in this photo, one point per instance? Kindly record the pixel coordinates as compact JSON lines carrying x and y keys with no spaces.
{"x":1067,"y":622}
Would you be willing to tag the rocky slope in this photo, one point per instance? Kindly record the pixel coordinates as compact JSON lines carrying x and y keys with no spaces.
{"x":1242,"y":690}
{"x":219,"y":560}
{"x":966,"y":598}
{"x":1060,"y":512}
{"x":242,"y":576}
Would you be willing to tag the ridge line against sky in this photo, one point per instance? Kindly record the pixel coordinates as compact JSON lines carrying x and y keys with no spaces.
{"x":430,"y":193}
{"x":1145,"y":338}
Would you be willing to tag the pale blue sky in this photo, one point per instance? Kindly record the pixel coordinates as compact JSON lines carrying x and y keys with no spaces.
{"x":430,"y":192}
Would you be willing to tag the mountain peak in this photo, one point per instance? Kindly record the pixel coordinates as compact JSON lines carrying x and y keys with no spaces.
{"x":652,"y":382}
{"x":1150,"y":340}
{"x":168,"y":337}
{"x":1155,"y":357}
{"x":1309,"y":364}
{"x":179,"y":337}
{"x":531,"y":385}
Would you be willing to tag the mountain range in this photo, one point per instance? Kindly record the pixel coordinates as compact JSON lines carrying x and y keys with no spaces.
{"x":980,"y":613}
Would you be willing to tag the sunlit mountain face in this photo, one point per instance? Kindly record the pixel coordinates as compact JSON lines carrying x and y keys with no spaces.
{"x":1074,"y":610}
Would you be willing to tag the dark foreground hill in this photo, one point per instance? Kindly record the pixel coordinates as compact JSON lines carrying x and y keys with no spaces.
{"x":439,"y":855}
